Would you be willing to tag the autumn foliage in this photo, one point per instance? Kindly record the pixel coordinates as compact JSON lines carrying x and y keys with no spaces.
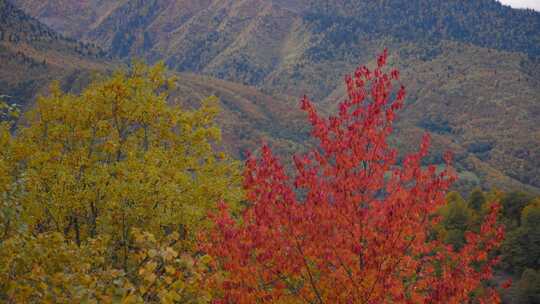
{"x":102,"y":194}
{"x":355,"y":225}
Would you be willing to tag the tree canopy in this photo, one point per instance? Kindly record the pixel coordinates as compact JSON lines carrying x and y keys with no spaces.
{"x":351,"y":226}
{"x":83,"y":172}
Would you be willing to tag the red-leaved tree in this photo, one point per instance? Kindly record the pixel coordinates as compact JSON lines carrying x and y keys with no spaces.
{"x":354,"y":226}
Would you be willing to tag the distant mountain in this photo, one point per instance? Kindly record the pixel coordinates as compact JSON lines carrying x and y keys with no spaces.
{"x":258,"y":37}
{"x":73,"y":18}
{"x":32,"y":55}
{"x":471,"y":67}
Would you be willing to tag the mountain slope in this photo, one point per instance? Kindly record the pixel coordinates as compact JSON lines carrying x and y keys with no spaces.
{"x":191,"y":34}
{"x":248,"y":117}
{"x":485,"y":23}
{"x":72,"y":18}
{"x":486,"y":113}
{"x":32,"y":55}
{"x":470,"y":66}
{"x":222,"y":38}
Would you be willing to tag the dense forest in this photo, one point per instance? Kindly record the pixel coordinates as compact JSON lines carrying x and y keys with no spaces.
{"x":484,"y":23}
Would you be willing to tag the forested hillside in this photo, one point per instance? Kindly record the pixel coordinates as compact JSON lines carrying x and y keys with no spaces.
{"x":227,"y":37}
{"x":483,"y":23}
{"x":32,"y":55}
{"x":472,"y":65}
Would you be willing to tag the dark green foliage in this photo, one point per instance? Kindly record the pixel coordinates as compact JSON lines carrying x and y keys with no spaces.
{"x":480,"y":147}
{"x":515,"y":251}
{"x":127,"y":22}
{"x":528,"y":288}
{"x":530,"y":217}
{"x":531,"y":231}
{"x":477,"y":199}
{"x":513,"y":204}
{"x":121,"y":44}
{"x":520,"y":252}
{"x":457,"y":218}
{"x":521,"y":249}
{"x":458,"y":215}
{"x":522,"y":246}
{"x":436,"y":125}
{"x":484,"y":23}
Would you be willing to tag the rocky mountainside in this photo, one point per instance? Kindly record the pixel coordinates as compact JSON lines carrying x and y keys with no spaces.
{"x":471,"y":67}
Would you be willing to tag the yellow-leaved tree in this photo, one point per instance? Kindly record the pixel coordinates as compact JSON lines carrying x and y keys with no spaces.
{"x":47,"y":268}
{"x":10,"y":173}
{"x":89,"y":169}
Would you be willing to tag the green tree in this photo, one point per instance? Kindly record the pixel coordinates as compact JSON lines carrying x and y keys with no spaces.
{"x":528,"y":287}
{"x":457,"y":218}
{"x":477,"y":199}
{"x":521,"y":248}
{"x":530,"y":225}
{"x":513,"y":203}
